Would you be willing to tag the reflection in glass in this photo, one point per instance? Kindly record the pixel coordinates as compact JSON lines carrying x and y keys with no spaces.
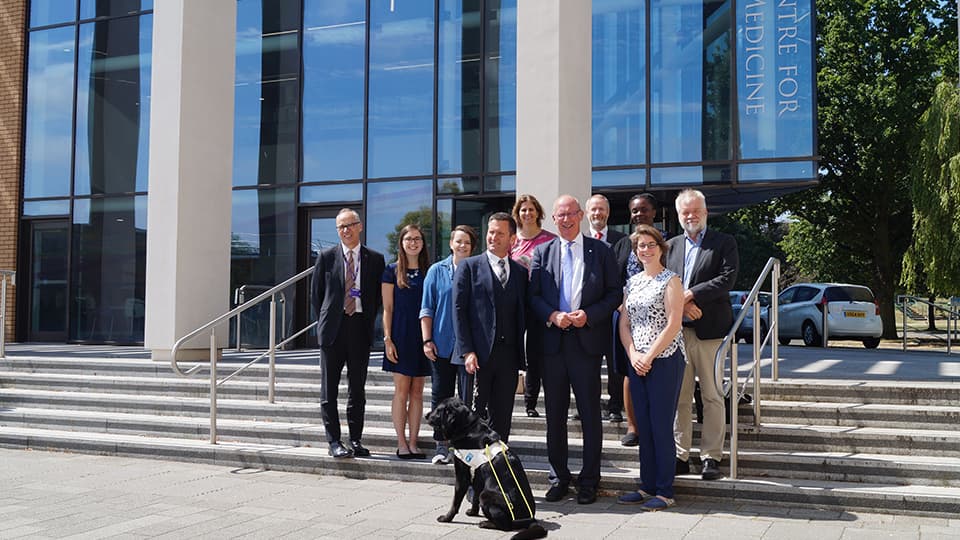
{"x":401,"y":89}
{"x":393,"y":205}
{"x":506,"y":182}
{"x":331,"y":193}
{"x":46,"y":208}
{"x":48,"y":279}
{"x":444,"y":228}
{"x":458,"y":92}
{"x":334,"y":36}
{"x":267,"y":92}
{"x":263,"y":253}
{"x":108,"y":269}
{"x":619,"y":178}
{"x":777,"y":172}
{"x":619,"y":93}
{"x":690,"y":84}
{"x":676,"y":175}
{"x":501,"y":83}
{"x":44,"y":12}
{"x":458,"y":185}
{"x":113,"y":106}
{"x":46,"y":167}
{"x":112,"y":8}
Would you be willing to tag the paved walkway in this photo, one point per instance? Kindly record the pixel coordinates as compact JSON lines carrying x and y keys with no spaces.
{"x":56,"y":495}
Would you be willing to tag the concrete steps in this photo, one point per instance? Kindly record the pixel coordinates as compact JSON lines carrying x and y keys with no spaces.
{"x":871,"y":446}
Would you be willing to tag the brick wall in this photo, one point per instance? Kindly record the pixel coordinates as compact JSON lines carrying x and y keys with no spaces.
{"x":13,"y":15}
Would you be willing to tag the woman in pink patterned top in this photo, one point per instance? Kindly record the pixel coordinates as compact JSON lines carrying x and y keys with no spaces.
{"x":529,"y":216}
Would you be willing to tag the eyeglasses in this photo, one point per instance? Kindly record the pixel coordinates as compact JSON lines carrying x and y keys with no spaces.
{"x":566,"y":215}
{"x":648,"y":245}
{"x":346,"y":226}
{"x":413,"y":239}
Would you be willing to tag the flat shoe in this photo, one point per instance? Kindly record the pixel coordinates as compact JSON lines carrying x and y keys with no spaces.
{"x":634,"y":497}
{"x":408,"y":455}
{"x":417,"y":455}
{"x":656,"y":504}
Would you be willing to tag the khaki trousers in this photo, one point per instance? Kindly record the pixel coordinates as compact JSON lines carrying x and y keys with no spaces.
{"x":700,"y":362}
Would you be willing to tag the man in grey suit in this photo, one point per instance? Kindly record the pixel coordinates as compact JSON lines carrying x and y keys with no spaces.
{"x":707,"y":262}
{"x":574,"y":288}
{"x":345,"y":291}
{"x":489,"y":291}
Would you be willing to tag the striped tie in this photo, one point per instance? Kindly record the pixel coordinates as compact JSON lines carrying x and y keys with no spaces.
{"x":349,"y":302}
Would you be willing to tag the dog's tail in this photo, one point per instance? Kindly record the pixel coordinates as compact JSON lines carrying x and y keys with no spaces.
{"x":534,"y":530}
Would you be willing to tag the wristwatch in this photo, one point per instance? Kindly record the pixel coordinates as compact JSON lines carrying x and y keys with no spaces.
{"x":428,"y":340}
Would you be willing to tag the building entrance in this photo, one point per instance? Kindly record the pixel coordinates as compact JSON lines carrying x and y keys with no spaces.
{"x":47,"y":295}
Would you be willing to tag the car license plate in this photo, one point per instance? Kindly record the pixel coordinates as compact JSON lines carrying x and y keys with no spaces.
{"x":855,"y":314}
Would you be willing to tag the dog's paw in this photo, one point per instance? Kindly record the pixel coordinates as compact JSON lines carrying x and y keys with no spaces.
{"x":487,"y":524}
{"x":446,"y":518}
{"x":473,"y":511}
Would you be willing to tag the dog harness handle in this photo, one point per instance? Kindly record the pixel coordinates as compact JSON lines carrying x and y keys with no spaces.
{"x":503,"y":449}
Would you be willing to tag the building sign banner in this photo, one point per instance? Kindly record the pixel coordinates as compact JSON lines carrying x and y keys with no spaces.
{"x":775,"y":78}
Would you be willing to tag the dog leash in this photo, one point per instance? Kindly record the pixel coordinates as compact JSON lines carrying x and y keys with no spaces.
{"x":503,"y":450}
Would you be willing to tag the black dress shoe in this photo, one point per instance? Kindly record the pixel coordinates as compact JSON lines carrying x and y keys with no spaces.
{"x":338,"y":450}
{"x":358,"y":449}
{"x":557,"y":493}
{"x":586,"y":495}
{"x":683,"y":467}
{"x":532,"y":413}
{"x":614,"y":417}
{"x":711,"y":470}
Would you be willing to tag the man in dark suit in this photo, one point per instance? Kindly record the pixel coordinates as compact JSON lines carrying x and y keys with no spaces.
{"x":574,"y":288}
{"x":489,"y":291}
{"x":707,"y":262}
{"x":346,"y":296}
{"x":598,"y":212}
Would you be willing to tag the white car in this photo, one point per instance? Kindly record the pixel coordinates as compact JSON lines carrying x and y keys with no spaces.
{"x":852,"y":313}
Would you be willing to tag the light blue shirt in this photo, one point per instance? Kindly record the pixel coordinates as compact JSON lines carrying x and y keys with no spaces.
{"x":691,"y":250}
{"x":438,"y":304}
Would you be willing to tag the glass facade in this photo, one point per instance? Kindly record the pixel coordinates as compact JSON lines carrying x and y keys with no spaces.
{"x":406,"y":111}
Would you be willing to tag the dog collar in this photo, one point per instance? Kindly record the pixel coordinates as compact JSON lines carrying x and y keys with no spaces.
{"x":476,"y":457}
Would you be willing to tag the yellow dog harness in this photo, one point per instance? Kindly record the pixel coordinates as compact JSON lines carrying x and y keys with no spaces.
{"x":476,"y":458}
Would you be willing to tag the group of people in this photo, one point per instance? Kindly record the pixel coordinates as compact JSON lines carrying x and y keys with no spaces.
{"x":554,"y":306}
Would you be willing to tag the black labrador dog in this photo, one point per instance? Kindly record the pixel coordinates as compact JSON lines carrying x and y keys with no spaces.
{"x":500,"y":485}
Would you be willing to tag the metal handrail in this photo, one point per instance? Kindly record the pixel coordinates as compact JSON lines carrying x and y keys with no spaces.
{"x":772,"y":269}
{"x":953,"y":316}
{"x":3,"y":309}
{"x":240,"y":296}
{"x":271,"y":351}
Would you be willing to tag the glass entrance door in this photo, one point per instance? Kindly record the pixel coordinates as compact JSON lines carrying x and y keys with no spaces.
{"x":319,"y":227}
{"x":47,"y":293}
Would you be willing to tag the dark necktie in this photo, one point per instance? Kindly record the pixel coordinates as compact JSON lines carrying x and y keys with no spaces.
{"x":349,"y":301}
{"x":502,"y":273}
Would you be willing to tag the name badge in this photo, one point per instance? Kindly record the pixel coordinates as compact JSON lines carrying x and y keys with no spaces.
{"x":355,"y":292}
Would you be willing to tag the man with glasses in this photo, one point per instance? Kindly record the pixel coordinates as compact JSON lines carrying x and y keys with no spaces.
{"x":346,"y":296}
{"x":574,"y":289}
{"x":707,"y":262}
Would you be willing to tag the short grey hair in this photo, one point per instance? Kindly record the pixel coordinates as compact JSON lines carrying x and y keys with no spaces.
{"x":689,"y":194}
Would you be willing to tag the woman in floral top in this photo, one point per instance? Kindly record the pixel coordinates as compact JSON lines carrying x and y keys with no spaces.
{"x":650,"y":332}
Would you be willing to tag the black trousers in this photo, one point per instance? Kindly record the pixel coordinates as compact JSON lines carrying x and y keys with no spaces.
{"x":531,"y":381}
{"x":497,"y":386}
{"x":614,"y":377}
{"x":352,"y":350}
{"x":443,"y":384}
{"x":573,"y":368}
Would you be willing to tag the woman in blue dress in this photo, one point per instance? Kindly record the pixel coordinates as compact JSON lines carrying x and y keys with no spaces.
{"x":403,"y":356}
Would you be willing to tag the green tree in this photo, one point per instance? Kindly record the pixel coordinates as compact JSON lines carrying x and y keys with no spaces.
{"x":878,"y":61}
{"x":932,"y":263}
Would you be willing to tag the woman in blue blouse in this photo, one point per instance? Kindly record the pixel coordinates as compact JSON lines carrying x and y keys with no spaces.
{"x":436,"y":323}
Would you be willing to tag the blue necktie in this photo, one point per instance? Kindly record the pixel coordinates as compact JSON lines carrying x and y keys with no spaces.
{"x":566,"y":278}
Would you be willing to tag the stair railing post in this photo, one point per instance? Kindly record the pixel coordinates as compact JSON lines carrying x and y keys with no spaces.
{"x":238,"y":298}
{"x":756,"y":363}
{"x":3,"y":319}
{"x":903,"y":308}
{"x":273,"y":348}
{"x":773,"y":313}
{"x":734,"y":406}
{"x":826,"y":312}
{"x":213,"y":386}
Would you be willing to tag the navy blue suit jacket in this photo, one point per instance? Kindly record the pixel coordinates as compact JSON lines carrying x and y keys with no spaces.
{"x":475,"y":315}
{"x":328,"y":288}
{"x":601,"y":293}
